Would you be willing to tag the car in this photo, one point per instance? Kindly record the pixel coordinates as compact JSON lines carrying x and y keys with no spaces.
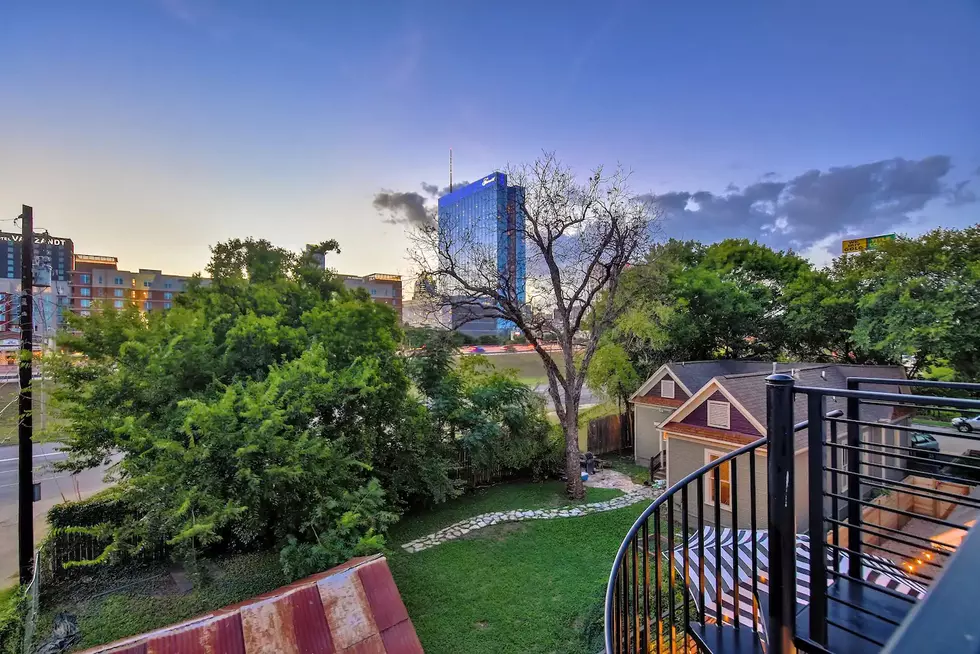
{"x":925,"y":444}
{"x":965,"y":424}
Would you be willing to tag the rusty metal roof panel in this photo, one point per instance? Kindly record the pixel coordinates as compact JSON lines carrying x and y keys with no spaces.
{"x":354,"y":608}
{"x":221,"y":634}
{"x":347,"y":609}
{"x":386,"y":602}
{"x":402,"y":639}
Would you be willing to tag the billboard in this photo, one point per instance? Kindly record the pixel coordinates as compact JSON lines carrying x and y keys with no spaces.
{"x":867,"y":243}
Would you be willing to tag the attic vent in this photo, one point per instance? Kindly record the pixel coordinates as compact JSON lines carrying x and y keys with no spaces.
{"x":667,"y":389}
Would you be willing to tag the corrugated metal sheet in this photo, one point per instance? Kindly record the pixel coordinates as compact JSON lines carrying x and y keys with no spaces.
{"x":347,"y":609}
{"x":354,"y":608}
{"x":402,"y":639}
{"x":382,"y":594}
{"x":213,"y":635}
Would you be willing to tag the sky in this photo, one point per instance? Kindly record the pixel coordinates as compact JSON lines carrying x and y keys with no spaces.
{"x":151,"y":129}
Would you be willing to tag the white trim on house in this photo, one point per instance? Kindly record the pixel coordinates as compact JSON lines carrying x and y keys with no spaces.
{"x":661,"y":372}
{"x":707,"y":391}
{"x":708,"y":490}
{"x":701,"y":440}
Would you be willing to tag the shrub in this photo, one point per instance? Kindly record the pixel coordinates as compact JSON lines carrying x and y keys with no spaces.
{"x":13,"y":604}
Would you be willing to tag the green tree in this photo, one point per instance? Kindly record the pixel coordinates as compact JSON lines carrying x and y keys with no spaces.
{"x":270,"y":406}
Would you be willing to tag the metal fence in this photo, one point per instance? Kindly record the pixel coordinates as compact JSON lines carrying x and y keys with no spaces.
{"x":824,"y":544}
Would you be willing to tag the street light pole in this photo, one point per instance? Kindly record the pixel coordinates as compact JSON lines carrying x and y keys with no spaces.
{"x":25,"y":403}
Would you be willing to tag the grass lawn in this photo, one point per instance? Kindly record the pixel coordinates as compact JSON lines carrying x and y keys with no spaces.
{"x":147,"y":598}
{"x":47,"y":423}
{"x":503,"y":497}
{"x":114,"y":603}
{"x":524,"y":587}
{"x":529,"y":367}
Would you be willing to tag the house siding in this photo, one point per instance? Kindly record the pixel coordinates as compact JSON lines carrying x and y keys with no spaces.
{"x":685,"y":456}
{"x":679,"y":393}
{"x":647,"y":438}
{"x":736,"y":422}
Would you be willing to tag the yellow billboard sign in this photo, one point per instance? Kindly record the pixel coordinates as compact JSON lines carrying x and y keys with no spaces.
{"x":867,"y":243}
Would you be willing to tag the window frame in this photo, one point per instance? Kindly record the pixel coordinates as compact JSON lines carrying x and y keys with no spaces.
{"x":724,"y":479}
{"x":728,"y":414}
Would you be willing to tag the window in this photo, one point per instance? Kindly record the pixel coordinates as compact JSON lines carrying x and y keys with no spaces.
{"x":724,"y":480}
{"x":168,"y":295}
{"x":118,"y":281}
{"x":118,"y":292}
{"x":719,"y":414}
{"x":86,"y":279}
{"x":166,"y":305}
{"x":100,"y":279}
{"x":667,"y":389}
{"x":118,"y":304}
{"x":147,"y":284}
{"x":374,"y":291}
{"x":147,"y":306}
{"x":85,"y":292}
{"x":168,"y":285}
{"x":85,"y":304}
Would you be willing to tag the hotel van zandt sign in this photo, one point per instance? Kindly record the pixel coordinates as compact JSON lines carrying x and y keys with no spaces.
{"x":39,"y":239}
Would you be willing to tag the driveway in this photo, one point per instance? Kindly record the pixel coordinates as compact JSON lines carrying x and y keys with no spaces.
{"x":56,"y":487}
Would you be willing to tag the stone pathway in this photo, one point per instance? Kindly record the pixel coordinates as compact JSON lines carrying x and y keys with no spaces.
{"x":463,"y":527}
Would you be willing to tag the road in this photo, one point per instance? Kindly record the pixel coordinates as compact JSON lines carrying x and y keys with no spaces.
{"x":55,"y":487}
{"x":586,"y":399}
{"x":955,"y":443}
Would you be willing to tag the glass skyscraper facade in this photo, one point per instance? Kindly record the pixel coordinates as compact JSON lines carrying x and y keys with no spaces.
{"x":482,"y":225}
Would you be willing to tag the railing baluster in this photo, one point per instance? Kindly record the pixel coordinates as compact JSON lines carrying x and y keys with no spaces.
{"x":716,"y":478}
{"x":755,"y":548}
{"x":658,"y":635}
{"x":834,"y":508}
{"x":853,"y":484}
{"x":701,"y":594}
{"x":645,"y":532}
{"x":733,"y":496}
{"x":818,"y":558}
{"x":670,"y":572}
{"x":686,"y":554}
{"x":636,"y":598}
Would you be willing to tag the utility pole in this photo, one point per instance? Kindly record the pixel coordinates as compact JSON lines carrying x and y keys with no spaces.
{"x":25,"y":404}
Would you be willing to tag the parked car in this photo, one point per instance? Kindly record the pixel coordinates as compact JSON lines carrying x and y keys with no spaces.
{"x":965,"y":424}
{"x":925,"y":444}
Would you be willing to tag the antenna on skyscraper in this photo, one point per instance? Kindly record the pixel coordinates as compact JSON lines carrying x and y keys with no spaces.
{"x":450,"y":170}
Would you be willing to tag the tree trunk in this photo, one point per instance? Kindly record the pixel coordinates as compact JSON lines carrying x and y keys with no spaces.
{"x":573,"y":468}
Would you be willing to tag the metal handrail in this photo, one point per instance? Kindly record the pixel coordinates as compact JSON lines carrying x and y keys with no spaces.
{"x":657,"y":503}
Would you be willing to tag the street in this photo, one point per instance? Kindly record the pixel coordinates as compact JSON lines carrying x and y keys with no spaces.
{"x":55,"y":487}
{"x":956,"y":443}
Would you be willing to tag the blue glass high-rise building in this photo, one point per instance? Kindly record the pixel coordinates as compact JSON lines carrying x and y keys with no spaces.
{"x":482,"y":224}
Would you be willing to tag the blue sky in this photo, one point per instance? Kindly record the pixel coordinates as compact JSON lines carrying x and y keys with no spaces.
{"x":150,"y":129}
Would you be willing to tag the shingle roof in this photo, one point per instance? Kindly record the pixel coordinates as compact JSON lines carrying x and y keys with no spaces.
{"x":749,"y":390}
{"x":695,"y":374}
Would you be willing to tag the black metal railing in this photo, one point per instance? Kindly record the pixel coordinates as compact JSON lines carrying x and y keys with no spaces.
{"x":888,"y":502}
{"x":729,"y":558}
{"x":657,"y":599}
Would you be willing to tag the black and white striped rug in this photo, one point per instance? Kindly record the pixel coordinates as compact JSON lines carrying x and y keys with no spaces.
{"x":876,"y":569}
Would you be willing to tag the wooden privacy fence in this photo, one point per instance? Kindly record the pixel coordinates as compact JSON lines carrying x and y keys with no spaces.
{"x":610,"y":434}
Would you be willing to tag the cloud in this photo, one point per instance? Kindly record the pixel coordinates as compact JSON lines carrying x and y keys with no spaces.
{"x":807,"y":209}
{"x":404,"y":208}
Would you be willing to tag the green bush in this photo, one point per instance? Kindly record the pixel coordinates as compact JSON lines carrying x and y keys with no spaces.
{"x":105,"y":507}
{"x":13,"y":604}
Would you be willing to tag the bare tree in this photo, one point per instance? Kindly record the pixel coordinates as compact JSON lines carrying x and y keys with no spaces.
{"x":578,"y":238}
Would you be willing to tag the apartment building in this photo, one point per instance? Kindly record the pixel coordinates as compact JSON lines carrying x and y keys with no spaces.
{"x":97,"y":281}
{"x":383,"y":288}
